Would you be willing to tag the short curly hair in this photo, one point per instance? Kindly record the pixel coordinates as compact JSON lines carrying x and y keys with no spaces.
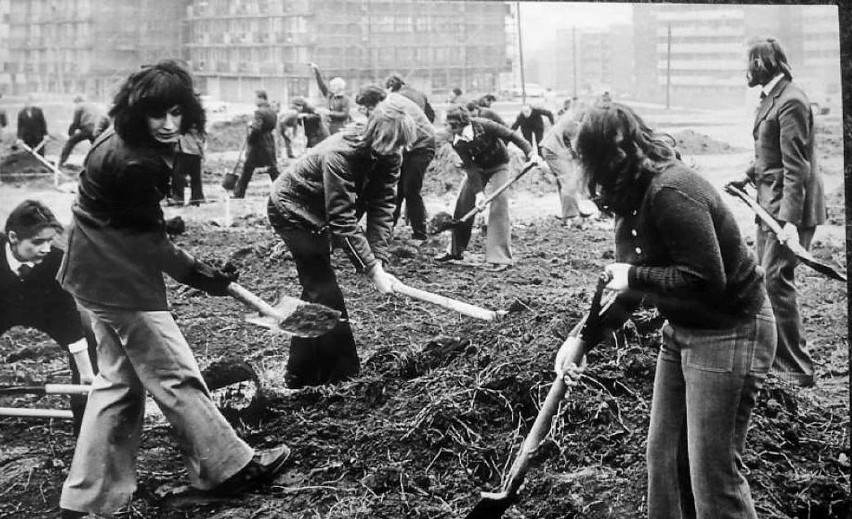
{"x":459,"y":115}
{"x":150,"y":92}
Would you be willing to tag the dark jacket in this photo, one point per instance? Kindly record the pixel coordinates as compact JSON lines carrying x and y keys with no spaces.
{"x":31,"y":125}
{"x":488,"y":148}
{"x":785,"y":170}
{"x":261,"y":141}
{"x":332,"y":185}
{"x":421,"y":100}
{"x":689,"y":256}
{"x":38,"y":301}
{"x":534,"y":124}
{"x":316,"y":129}
{"x":487,"y":113}
{"x":117,"y":243}
{"x":425,"y":139}
{"x":87,"y":118}
{"x":339,"y":106}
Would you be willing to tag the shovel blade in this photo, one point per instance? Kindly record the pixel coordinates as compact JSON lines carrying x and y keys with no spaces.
{"x":492,"y":505}
{"x":298,"y":318}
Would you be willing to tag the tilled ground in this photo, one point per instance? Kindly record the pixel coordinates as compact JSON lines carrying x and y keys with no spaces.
{"x":444,"y":401}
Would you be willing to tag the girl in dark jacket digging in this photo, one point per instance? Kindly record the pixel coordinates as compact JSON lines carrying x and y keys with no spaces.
{"x":316,"y":204}
{"x":678,"y":245}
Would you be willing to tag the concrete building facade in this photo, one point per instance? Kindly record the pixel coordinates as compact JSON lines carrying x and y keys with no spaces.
{"x":83,"y":46}
{"x":238,"y":46}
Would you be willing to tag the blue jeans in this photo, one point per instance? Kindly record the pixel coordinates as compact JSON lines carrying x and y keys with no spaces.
{"x":705,"y":388}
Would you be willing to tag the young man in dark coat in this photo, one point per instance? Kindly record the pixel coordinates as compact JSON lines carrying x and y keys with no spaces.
{"x":530,"y":122}
{"x":87,"y":123}
{"x":481,"y":145}
{"x":415,"y":159}
{"x":30,"y":295}
{"x":260,"y":147}
{"x":789,"y":186}
{"x":32,"y":128}
{"x":306,"y":116}
{"x":395,"y":84}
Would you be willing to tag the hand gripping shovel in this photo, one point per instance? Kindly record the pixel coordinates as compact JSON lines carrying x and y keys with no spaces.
{"x":290,"y":315}
{"x":800,"y":252}
{"x":445,"y":224}
{"x":492,"y":505}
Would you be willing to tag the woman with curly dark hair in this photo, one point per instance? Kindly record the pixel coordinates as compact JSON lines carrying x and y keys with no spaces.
{"x":114,"y":264}
{"x":679,"y":247}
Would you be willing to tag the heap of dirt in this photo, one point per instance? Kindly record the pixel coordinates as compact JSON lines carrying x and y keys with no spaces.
{"x":690,"y":142}
{"x":227,"y":135}
{"x":22,"y":166}
{"x":443,"y":401}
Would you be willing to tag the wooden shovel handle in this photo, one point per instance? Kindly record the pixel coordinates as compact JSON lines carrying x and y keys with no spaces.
{"x":36,"y":413}
{"x":241,"y":293}
{"x":452,"y":304}
{"x":481,"y":206}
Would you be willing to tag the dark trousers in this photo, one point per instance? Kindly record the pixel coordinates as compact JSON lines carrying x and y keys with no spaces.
{"x":256,"y":157}
{"x":52,"y":327}
{"x":73,"y":140}
{"x":792,"y":361}
{"x":32,"y":142}
{"x":187,"y":165}
{"x":412,"y":172}
{"x":332,"y":357}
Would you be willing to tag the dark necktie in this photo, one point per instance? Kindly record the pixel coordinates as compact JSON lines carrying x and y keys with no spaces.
{"x":24,"y":271}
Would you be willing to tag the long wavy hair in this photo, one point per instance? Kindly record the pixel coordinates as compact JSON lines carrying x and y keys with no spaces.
{"x":620,"y":155}
{"x":150,"y":92}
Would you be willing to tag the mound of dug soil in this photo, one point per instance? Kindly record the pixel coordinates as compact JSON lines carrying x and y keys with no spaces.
{"x":690,"y":142}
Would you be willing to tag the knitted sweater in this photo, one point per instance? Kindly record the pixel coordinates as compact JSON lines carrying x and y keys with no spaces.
{"x":688,"y":255}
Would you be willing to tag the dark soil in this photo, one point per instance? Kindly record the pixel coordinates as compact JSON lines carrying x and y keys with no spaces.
{"x":444,"y":401}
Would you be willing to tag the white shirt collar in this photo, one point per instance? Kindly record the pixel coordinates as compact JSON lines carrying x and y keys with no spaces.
{"x":14,"y":264}
{"x":769,"y":86}
{"x":466,"y":134}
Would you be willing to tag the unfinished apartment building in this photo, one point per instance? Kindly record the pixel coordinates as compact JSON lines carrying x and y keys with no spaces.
{"x":85,"y":46}
{"x":237,"y":46}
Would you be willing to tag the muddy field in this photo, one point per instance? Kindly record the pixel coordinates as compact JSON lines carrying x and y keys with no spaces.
{"x":444,"y":401}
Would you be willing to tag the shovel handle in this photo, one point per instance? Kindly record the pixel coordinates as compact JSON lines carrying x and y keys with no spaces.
{"x":452,"y":304}
{"x":239,"y":292}
{"x":36,"y":413}
{"x":497,"y":192}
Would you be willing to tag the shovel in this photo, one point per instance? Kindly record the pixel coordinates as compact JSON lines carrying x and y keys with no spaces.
{"x":800,"y":252}
{"x":56,"y":171}
{"x":446,"y":224}
{"x":449,"y":303}
{"x":290,"y":315}
{"x":231,"y":178}
{"x":492,"y":505}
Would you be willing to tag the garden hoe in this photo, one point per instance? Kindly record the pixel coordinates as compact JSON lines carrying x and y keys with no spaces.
{"x":800,"y":252}
{"x":446,"y":223}
{"x":290,"y":315}
{"x":492,"y":505}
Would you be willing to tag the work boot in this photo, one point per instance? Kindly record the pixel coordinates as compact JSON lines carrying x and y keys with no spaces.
{"x":261,"y":470}
{"x":71,"y":514}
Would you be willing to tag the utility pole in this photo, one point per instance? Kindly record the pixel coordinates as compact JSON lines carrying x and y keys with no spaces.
{"x":521,"y":55}
{"x":669,"y":68}
{"x":574,"y":56}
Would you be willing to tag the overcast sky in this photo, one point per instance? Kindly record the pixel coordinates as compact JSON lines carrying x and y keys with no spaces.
{"x":539,"y":20}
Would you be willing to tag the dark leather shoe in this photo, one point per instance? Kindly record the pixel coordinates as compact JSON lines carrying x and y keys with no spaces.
{"x":71,"y":514}
{"x":445,"y":257}
{"x":261,"y":470}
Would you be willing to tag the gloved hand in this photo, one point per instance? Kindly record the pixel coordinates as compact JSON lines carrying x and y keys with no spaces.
{"x":211,"y":280}
{"x":383,"y":281}
{"x":739,"y":184}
